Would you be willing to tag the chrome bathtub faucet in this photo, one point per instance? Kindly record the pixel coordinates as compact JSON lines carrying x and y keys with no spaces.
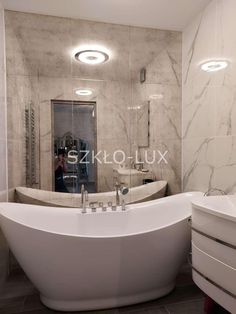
{"x":84,"y":199}
{"x":122,"y":189}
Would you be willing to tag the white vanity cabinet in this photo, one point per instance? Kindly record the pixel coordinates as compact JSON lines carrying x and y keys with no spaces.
{"x":214,"y":248}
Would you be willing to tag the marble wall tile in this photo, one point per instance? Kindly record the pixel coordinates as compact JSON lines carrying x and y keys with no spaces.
{"x":167,"y":168}
{"x":22,"y":92}
{"x":199,"y":111}
{"x":210,"y":36}
{"x":3,"y":169}
{"x":3,"y":128}
{"x":112,"y":120}
{"x":210,"y":163}
{"x":209,"y":117}
{"x":4,"y":250}
{"x":114,"y":38}
{"x":16,"y":163}
{"x":157,"y":51}
{"x":164,"y":130}
{"x":3,"y":108}
{"x":3,"y":148}
{"x":37,"y":45}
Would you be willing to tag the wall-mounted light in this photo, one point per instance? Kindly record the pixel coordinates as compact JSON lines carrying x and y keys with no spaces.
{"x":156,"y":96}
{"x":214,"y":65}
{"x":134,"y":108}
{"x":83,"y":92}
{"x":91,"y":56}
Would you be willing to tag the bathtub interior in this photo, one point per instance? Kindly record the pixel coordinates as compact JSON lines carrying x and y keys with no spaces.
{"x":136,"y":194}
{"x":139,"y":218}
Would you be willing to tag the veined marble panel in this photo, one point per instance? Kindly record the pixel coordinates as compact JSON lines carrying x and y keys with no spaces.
{"x":37,"y":44}
{"x":3,"y":120}
{"x":21,"y":91}
{"x":3,"y":126}
{"x":210,"y":36}
{"x":3,"y":169}
{"x":210,"y":163}
{"x":167,"y":167}
{"x":111,"y":98}
{"x":165,"y":108}
{"x":209,"y":116}
{"x":157,"y":51}
{"x":114,"y":38}
{"x":16,"y":163}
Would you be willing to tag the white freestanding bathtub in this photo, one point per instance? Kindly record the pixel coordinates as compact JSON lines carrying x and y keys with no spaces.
{"x":137,"y":194}
{"x":104,"y":259}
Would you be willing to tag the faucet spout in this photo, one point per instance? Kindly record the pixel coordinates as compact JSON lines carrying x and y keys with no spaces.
{"x":117,"y":186}
{"x":84,"y":198}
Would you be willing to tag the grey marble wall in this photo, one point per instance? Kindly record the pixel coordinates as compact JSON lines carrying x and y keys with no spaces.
{"x":162,"y":89}
{"x":3,"y":145}
{"x":3,"y":122}
{"x":209,"y":111}
{"x":40,"y":67}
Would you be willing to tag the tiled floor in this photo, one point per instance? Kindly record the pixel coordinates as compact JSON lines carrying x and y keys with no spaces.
{"x":20,"y":296}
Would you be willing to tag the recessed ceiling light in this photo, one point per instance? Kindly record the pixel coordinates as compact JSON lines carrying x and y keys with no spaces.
{"x":91,"y":56}
{"x":214,"y":65}
{"x":83,"y":92}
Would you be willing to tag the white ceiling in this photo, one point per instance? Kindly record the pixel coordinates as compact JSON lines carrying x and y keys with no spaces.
{"x":162,"y":14}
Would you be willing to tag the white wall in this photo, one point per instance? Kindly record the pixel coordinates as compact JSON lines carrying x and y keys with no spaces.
{"x":3,"y":144}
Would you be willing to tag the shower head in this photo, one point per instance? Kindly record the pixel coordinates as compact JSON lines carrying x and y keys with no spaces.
{"x":124,"y":190}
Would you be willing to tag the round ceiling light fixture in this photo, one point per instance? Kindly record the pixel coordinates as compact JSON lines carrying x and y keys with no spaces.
{"x":214,"y":65}
{"x":92,"y":56}
{"x":83,"y":92}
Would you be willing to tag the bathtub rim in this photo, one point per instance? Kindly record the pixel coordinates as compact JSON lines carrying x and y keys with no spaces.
{"x":98,"y":236}
{"x":17,"y":190}
{"x":172,"y":223}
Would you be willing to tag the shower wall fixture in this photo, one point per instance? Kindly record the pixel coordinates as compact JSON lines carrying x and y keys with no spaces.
{"x":30,"y":138}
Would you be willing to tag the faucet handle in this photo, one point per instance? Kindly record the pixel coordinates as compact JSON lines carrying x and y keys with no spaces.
{"x":82,"y":188}
{"x":104,"y":209}
{"x":93,"y":207}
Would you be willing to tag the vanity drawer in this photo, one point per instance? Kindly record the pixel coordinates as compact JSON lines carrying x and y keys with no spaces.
{"x":221,"y":297}
{"x":217,"y":271}
{"x":214,"y":226}
{"x":217,"y":250}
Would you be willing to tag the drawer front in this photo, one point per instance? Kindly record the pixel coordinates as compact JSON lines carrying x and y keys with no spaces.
{"x":222,"y":298}
{"x":219,"y":272}
{"x":217,"y":250}
{"x":214,"y":226}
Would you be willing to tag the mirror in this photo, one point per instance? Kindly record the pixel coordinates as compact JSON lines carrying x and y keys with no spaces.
{"x":78,"y":103}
